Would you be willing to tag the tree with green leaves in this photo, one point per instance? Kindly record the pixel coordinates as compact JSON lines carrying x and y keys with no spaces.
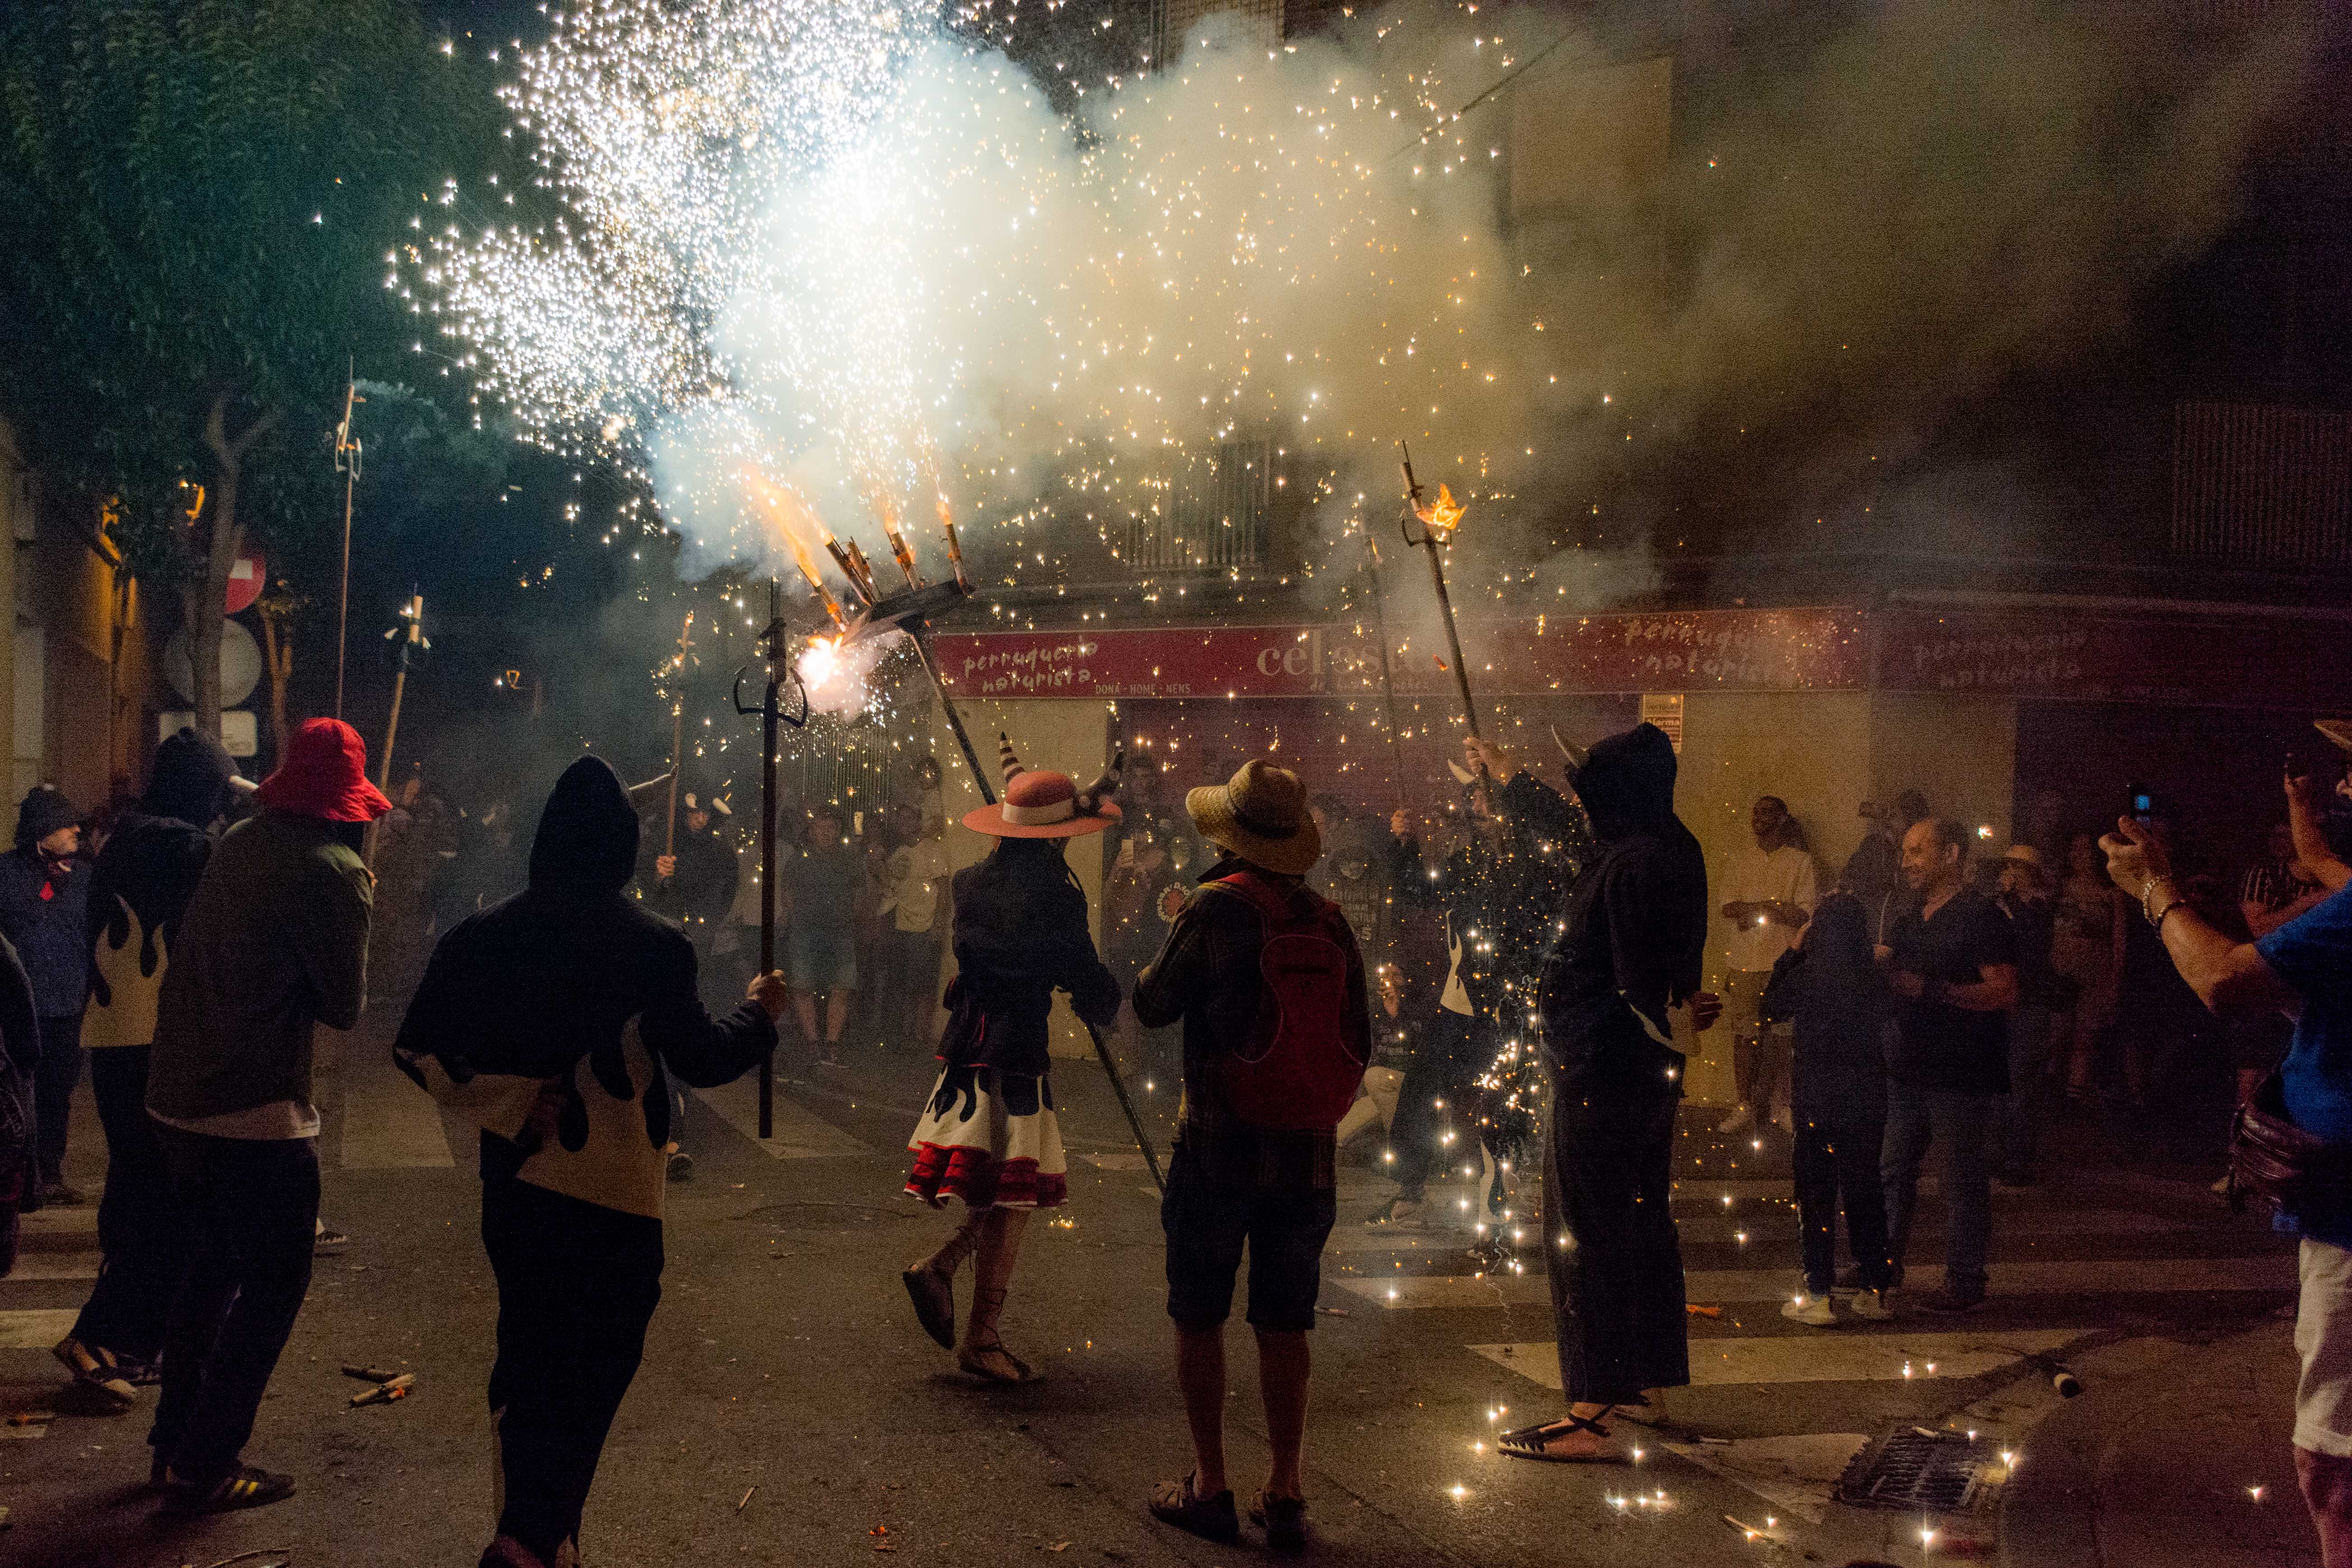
{"x":197,"y":201}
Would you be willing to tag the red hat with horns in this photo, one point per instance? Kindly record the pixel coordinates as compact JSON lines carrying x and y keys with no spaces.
{"x":1040,"y":804}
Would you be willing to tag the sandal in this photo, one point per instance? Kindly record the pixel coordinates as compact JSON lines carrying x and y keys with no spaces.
{"x":1284,"y":1520}
{"x":933,"y":1294}
{"x":1531,"y":1442}
{"x":1388,"y":1213}
{"x":971,"y":1359}
{"x":1210,"y":1517}
{"x":95,"y":1367}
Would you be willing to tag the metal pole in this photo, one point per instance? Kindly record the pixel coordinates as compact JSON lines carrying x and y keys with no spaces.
{"x":1134,"y":1122}
{"x":347,"y":458}
{"x":768,"y":835}
{"x":1388,"y":681}
{"x":677,"y":734}
{"x":920,"y":632}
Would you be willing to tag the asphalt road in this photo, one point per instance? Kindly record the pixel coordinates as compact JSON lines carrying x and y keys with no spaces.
{"x":790,"y":1411}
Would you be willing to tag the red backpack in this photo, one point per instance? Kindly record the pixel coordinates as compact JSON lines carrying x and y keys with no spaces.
{"x":1297,"y":1073}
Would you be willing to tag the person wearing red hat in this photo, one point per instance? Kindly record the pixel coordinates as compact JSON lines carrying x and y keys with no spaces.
{"x":272,"y":945}
{"x":989,"y":1135}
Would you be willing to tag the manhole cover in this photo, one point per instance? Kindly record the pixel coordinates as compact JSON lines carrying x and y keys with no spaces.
{"x":1923,"y":1472}
{"x":826,"y":1216}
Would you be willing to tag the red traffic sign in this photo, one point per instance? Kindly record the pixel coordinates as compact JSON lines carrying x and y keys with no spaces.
{"x":246,"y":582}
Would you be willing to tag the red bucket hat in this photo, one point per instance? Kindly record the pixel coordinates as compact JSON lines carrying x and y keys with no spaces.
{"x":324,"y":775}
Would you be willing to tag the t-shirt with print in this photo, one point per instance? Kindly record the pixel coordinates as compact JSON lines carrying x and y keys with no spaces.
{"x":1944,"y":1047}
{"x":2313,"y":954}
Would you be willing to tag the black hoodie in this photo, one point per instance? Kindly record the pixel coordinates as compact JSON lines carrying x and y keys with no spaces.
{"x":1633,"y":931}
{"x":570,"y":981}
{"x":144,"y":877}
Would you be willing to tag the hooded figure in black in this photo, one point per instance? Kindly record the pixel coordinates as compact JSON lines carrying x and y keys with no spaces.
{"x":554,"y":1021}
{"x":139,"y":889}
{"x":1629,"y":947}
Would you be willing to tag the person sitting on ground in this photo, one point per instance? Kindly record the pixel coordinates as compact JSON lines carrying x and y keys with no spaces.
{"x":554,"y":1021}
{"x":1829,"y":987}
{"x":1252,"y":1165}
{"x":988,"y":1135}
{"x":2304,"y":968}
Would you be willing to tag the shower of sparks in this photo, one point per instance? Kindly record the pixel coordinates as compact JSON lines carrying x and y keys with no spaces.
{"x":827,"y":249}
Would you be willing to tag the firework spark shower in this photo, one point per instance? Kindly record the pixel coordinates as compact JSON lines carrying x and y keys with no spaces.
{"x":833,"y":252}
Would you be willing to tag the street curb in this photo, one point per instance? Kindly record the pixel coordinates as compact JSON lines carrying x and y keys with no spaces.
{"x":2049,"y":1509}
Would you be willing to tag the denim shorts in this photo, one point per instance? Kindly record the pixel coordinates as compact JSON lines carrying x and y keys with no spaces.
{"x":821,"y":957}
{"x":1207,"y":1223}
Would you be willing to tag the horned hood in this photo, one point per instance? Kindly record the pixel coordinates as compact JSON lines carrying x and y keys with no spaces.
{"x":1627,"y":782}
{"x":587,"y":840}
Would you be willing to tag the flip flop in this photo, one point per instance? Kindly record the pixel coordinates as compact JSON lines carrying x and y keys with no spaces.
{"x":1528,"y":1442}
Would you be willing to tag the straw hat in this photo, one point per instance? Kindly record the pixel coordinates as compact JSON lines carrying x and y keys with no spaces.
{"x":2337,"y":730}
{"x":1261,"y":816}
{"x":1041,"y":804}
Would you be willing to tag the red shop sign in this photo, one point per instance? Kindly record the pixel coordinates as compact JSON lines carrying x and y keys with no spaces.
{"x":1217,"y":661}
{"x":2231,"y":662}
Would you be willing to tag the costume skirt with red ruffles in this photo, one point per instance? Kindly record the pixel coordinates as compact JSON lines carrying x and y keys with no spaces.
{"x":990,"y":1139}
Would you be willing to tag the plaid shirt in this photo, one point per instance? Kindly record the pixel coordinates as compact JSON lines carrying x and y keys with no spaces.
{"x":1207,"y":974}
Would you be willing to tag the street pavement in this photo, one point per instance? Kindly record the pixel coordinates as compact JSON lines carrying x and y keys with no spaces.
{"x":790,"y":1411}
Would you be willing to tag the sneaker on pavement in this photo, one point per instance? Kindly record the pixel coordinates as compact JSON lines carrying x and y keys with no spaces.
{"x":1876,"y":1306}
{"x":1740,"y":1120}
{"x":245,"y":1485}
{"x":1850,"y":1277}
{"x":1810,"y":1308}
{"x":1951,"y":1300}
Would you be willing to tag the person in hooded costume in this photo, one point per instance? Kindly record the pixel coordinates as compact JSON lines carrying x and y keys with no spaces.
{"x":272,"y":945}
{"x":1629,"y":945}
{"x":988,"y":1134}
{"x":45,"y":910}
{"x":554,"y":1021}
{"x":139,"y":889}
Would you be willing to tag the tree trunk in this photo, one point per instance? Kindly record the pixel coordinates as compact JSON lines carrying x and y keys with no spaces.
{"x":221,"y":543}
{"x":278,"y":657}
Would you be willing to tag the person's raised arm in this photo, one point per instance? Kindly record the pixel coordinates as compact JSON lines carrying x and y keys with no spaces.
{"x":2305,"y":809}
{"x":2228,"y":975}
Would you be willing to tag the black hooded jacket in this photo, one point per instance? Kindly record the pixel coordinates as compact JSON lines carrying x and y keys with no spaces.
{"x":1633,"y":931}
{"x":569,"y":980}
{"x":142,"y":882}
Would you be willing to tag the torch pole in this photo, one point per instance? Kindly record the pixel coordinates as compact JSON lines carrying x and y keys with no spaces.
{"x":1453,"y":639}
{"x":768,"y":835}
{"x":919,"y":634}
{"x":1134,"y":1122}
{"x":1388,"y":681}
{"x":677,"y":733}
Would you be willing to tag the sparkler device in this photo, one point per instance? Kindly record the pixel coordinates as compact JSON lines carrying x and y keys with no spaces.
{"x":1438,"y":521}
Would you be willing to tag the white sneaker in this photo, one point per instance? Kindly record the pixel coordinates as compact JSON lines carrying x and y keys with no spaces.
{"x":1813,"y":1310}
{"x":1878,"y":1305}
{"x":1740,"y":1120}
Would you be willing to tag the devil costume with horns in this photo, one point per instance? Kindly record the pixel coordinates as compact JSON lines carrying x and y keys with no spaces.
{"x":988,"y":1135}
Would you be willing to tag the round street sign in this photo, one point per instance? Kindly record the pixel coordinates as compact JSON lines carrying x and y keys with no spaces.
{"x":240,"y":664}
{"x":244,"y":582}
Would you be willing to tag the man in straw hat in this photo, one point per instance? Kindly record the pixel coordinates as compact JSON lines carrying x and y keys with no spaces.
{"x":1253,"y":954}
{"x":1628,"y":950}
{"x":2304,"y":968}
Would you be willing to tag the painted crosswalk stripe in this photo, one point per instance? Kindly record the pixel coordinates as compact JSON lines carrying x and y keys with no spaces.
{"x":1778,"y":1226}
{"x":61,"y":1221}
{"x":1825,"y":1358}
{"x":799,"y":1133}
{"x":2150,"y":1276}
{"x":55,"y":1265}
{"x":36,"y":1328}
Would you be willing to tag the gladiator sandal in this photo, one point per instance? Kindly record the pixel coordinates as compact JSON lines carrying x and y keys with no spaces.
{"x":931,"y":1284}
{"x":982,"y":1352}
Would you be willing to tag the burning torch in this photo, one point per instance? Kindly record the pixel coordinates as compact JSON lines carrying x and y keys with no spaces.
{"x":1438,"y":521}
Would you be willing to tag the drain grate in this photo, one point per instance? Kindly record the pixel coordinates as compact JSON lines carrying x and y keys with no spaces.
{"x":1918,"y":1471}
